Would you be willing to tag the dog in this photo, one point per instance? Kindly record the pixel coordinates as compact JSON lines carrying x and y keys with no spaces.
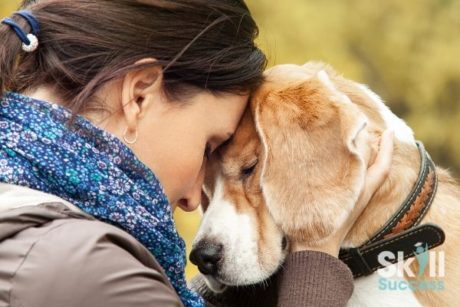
{"x":294,"y":169}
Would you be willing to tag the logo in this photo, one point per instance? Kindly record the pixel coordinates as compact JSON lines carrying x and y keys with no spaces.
{"x":424,"y":272}
{"x":421,"y":253}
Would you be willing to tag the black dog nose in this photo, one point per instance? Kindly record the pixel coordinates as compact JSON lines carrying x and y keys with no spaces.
{"x":206,"y":256}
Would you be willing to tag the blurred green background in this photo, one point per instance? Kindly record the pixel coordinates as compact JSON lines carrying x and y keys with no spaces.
{"x":406,"y":51}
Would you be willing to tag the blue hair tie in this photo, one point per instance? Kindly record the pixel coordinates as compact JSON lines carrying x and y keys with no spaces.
{"x":29,"y":41}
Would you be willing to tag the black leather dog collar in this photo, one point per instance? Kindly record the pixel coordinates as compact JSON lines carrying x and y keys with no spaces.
{"x":401,"y":232}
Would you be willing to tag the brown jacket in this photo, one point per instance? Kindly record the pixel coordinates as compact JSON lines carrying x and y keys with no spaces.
{"x":54,"y":255}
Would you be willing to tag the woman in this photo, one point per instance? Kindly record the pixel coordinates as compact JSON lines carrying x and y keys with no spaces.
{"x":109,"y":110}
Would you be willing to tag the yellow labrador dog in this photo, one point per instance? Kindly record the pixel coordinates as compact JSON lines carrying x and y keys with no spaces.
{"x":294,"y":169}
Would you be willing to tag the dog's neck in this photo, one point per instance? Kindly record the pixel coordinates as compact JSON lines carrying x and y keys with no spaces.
{"x":390,"y":196}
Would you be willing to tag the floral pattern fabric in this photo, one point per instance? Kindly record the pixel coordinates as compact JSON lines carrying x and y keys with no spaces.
{"x":93,"y":170}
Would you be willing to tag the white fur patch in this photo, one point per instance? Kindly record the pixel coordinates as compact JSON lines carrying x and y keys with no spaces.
{"x":236,"y":231}
{"x":367,"y":293}
{"x":324,"y":77}
{"x":402,"y":131}
{"x":339,"y":96}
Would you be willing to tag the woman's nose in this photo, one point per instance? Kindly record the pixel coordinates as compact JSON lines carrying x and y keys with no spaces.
{"x":193,"y":198}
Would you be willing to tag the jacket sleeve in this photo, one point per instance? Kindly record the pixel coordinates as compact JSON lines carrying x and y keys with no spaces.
{"x":79,"y":264}
{"x":312,"y":278}
{"x":307,"y":278}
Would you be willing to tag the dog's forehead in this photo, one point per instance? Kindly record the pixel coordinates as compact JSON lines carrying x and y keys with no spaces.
{"x":281,"y":77}
{"x":287,"y":73}
{"x":244,"y":145}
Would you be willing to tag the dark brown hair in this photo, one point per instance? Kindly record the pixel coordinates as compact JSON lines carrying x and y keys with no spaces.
{"x":204,"y":44}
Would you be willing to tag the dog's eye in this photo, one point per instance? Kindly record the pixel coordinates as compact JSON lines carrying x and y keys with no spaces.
{"x":284,"y":243}
{"x":247,"y":171}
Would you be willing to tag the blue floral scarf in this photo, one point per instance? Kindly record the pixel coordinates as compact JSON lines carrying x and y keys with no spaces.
{"x":93,"y":170}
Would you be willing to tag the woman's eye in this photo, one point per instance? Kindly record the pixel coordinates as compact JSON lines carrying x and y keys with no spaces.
{"x":247,"y":171}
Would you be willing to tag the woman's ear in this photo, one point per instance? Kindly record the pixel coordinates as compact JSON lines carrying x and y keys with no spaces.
{"x":141,"y":89}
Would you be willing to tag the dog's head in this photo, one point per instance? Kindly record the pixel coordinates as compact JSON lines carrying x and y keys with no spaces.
{"x":294,"y":169}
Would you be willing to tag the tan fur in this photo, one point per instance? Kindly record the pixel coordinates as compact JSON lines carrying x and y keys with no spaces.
{"x":244,"y":194}
{"x":312,"y":159}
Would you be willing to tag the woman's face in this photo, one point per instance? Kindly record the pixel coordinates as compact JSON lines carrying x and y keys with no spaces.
{"x":173,"y":137}
{"x":176,"y":137}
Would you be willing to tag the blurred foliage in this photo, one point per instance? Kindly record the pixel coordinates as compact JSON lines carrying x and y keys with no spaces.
{"x":406,"y":51}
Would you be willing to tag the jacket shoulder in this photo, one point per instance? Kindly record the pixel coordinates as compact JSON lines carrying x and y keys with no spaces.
{"x":89,"y":263}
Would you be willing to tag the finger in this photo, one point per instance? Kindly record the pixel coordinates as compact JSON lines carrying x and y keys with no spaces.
{"x":376,"y":174}
{"x":379,"y":170}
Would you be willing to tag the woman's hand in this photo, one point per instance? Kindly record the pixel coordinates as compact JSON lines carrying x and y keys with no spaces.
{"x":376,"y":175}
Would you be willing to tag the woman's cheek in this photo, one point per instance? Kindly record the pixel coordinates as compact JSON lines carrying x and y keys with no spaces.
{"x":188,"y":172}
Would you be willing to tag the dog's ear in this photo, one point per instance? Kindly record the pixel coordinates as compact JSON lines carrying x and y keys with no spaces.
{"x":313,"y":170}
